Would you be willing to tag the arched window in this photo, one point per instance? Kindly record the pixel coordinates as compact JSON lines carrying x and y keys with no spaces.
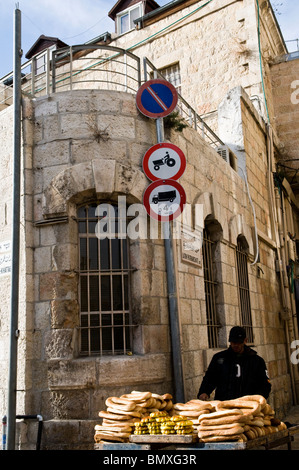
{"x":105,"y":320}
{"x":243,"y":286}
{"x":211,"y":235}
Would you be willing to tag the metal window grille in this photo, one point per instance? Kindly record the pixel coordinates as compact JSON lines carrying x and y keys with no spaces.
{"x":105,"y":319}
{"x":172,"y":74}
{"x":210,"y":290}
{"x":244,"y":291}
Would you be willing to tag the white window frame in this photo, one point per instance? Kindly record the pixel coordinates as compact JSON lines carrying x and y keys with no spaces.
{"x":128,"y":11}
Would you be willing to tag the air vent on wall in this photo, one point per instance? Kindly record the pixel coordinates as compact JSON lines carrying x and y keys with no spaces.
{"x":223,"y":151}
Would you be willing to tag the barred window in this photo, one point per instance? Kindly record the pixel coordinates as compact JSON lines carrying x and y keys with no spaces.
{"x":172,"y":74}
{"x":243,"y":287}
{"x":210,"y":289}
{"x":103,"y":287}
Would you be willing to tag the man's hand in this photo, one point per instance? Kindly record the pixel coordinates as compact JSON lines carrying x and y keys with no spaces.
{"x":203,"y":397}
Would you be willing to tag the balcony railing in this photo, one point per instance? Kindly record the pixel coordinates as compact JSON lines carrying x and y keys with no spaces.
{"x":96,"y":67}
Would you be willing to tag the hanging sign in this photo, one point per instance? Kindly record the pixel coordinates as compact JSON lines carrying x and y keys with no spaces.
{"x":164,"y":161}
{"x":156,"y":98}
{"x":164,"y":200}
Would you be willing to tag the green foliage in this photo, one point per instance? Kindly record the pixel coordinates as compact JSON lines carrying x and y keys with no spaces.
{"x":175,"y":121}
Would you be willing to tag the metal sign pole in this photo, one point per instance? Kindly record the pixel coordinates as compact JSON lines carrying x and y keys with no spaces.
{"x":14,"y":299}
{"x":172,"y":297}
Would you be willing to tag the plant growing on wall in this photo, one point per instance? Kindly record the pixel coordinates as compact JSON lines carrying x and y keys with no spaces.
{"x":175,"y":121}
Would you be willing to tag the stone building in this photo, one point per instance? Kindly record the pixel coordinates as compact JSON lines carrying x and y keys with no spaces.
{"x":94,"y":313}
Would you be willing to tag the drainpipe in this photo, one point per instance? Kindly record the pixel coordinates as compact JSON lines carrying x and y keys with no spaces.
{"x":14,"y":298}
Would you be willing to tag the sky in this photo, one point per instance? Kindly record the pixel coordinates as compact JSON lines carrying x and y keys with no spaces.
{"x":78,"y":21}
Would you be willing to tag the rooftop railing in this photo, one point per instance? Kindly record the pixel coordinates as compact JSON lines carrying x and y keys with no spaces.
{"x":96,"y":67}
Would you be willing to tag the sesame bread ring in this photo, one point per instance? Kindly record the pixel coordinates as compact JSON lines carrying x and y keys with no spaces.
{"x":253,"y":407}
{"x":222,"y":432}
{"x":114,"y":416}
{"x":221,"y":413}
{"x":135,"y":414}
{"x":190,"y":406}
{"x":137,"y":396}
{"x":120,"y":403}
{"x":259,"y":398}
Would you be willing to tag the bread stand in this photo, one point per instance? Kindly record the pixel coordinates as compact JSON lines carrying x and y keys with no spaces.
{"x":190,"y":442}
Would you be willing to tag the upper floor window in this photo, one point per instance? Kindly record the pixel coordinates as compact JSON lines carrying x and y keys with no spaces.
{"x":125,"y":19}
{"x":105,"y":318}
{"x":172,"y":74}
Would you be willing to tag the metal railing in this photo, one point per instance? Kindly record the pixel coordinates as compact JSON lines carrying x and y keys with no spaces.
{"x":190,"y":116}
{"x":93,"y":66}
{"x":76,"y":67}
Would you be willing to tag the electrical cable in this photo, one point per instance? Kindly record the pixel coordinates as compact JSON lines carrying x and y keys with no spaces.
{"x":254,"y":219}
{"x":260,"y":56}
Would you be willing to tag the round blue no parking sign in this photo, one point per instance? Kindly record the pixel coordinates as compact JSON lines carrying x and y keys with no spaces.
{"x":156,"y":98}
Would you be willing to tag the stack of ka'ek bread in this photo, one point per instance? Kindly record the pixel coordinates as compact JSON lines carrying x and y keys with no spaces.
{"x":241,"y":419}
{"x":123,"y":412}
{"x":192,"y":410}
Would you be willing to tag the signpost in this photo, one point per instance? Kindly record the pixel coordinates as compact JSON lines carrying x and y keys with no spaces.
{"x":156,"y":98}
{"x":164,"y":199}
{"x":164,"y":161}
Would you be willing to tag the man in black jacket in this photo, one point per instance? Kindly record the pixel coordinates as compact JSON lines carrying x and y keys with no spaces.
{"x":235,"y":372}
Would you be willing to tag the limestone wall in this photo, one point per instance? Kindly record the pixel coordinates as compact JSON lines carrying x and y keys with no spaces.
{"x":285,"y":85}
{"x":85,"y":145}
{"x":216,"y":48}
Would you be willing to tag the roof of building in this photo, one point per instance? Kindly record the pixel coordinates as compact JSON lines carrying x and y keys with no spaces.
{"x":121,"y":5}
{"x":43,"y":42}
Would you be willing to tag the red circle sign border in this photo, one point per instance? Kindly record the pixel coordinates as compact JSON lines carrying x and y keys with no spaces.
{"x":163,"y":113}
{"x":155,"y":184}
{"x":152,"y":149}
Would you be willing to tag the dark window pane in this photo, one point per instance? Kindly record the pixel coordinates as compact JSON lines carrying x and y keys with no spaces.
{"x":116,"y":260}
{"x":93,"y":254}
{"x":84,"y":297}
{"x":84,"y":340}
{"x":118,"y":339}
{"x":82,"y":212}
{"x":117,"y":293}
{"x":125,"y":254}
{"x":94,"y":293}
{"x":95,"y":339}
{"x":83,"y":254}
{"x":84,"y":320}
{"x":107,"y":339}
{"x":92,"y":227}
{"x":126,"y":293}
{"x":104,"y":253}
{"x":106,"y":319}
{"x":82,"y":227}
{"x":92,"y":211}
{"x":118,"y":319}
{"x":94,"y":320}
{"x":105,"y":293}
{"x":128,"y":342}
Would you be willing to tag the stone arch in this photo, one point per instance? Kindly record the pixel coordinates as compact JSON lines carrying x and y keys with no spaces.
{"x":101,"y":177}
{"x":238,"y":227}
{"x":212,"y":209}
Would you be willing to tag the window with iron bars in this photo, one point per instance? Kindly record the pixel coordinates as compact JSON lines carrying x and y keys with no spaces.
{"x":243,"y":288}
{"x":210,"y":289}
{"x":172,"y":74}
{"x":105,"y":318}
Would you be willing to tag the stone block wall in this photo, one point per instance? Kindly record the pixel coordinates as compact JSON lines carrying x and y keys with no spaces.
{"x":285,"y":86}
{"x":66,"y":165}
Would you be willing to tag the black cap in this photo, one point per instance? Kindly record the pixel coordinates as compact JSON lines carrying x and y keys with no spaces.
{"x":237,"y":334}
